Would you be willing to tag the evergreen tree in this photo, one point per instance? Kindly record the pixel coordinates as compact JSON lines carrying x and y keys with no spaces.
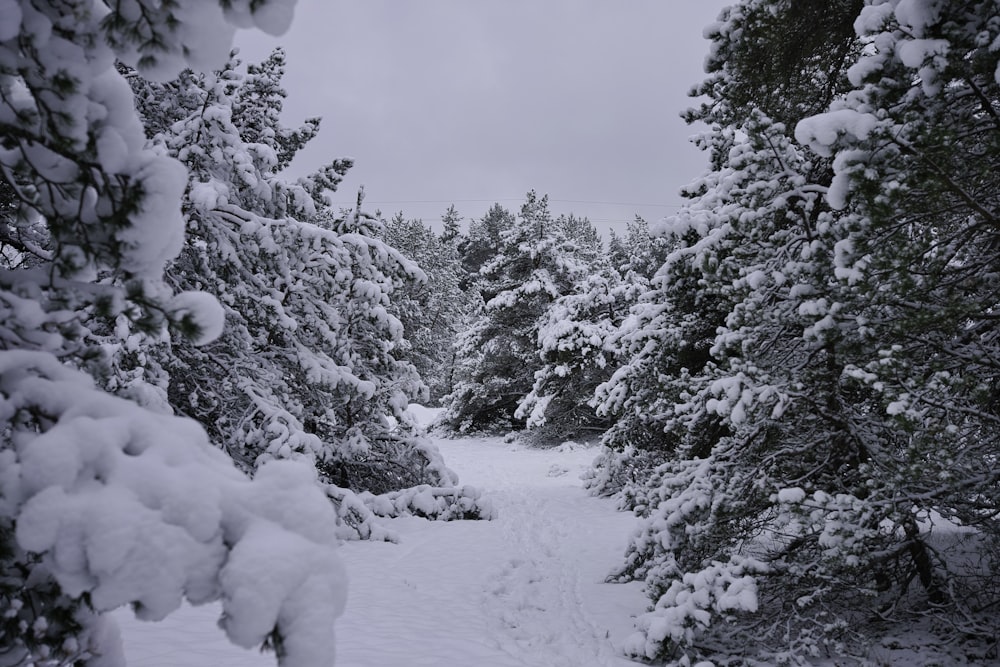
{"x":536,"y":265}
{"x":572,"y":344}
{"x":483,"y":243}
{"x":667,"y":336}
{"x":643,"y":252}
{"x":583,"y":235}
{"x":256,"y":107}
{"x":616,"y":251}
{"x":451,"y":231}
{"x":105,"y":502}
{"x":433,"y":311}
{"x":798,"y":496}
{"x":575,"y":358}
{"x":914,"y":151}
{"x":663,"y":347}
{"x":307,"y":365}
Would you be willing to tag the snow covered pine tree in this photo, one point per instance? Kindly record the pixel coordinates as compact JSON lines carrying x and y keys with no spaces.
{"x":828,"y":469}
{"x":572,"y":344}
{"x":433,"y":312}
{"x":308,"y":365}
{"x":105,"y":502}
{"x":535,"y":265}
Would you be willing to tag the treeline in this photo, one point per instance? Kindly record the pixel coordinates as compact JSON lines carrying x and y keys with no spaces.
{"x":511,"y":330}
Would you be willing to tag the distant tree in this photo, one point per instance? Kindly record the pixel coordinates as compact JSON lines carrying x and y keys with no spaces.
{"x":575,"y":358}
{"x":434,"y":311}
{"x":483,"y":242}
{"x":583,"y":235}
{"x":536,"y":264}
{"x":572,"y":344}
{"x":451,"y":231}
{"x":617,"y":253}
{"x":645,"y":252}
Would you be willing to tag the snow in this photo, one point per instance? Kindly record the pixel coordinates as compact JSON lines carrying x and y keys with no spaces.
{"x":791,"y":496}
{"x":134,"y":507}
{"x":872,"y":19}
{"x":10,"y":19}
{"x":896,"y":407}
{"x":914,"y":52}
{"x":916,"y":15}
{"x":203,"y":311}
{"x":524,"y":590}
{"x":422,"y":415}
{"x":822,"y":131}
{"x":156,"y":233}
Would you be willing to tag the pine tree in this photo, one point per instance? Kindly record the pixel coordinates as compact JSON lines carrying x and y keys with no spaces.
{"x":256,"y":107}
{"x":451,"y":231}
{"x":573,"y":344}
{"x":105,"y":502}
{"x":914,"y":150}
{"x":434,"y":311}
{"x":575,"y":359}
{"x":307,"y":365}
{"x":663,"y":348}
{"x":798,"y":496}
{"x":583,"y":235}
{"x":483,"y":243}
{"x":617,"y":253}
{"x":535,"y":265}
{"x":643,"y":252}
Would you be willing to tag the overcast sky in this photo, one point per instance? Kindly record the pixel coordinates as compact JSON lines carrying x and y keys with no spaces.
{"x":478,"y":101}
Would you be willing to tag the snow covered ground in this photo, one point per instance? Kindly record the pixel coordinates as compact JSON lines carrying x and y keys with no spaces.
{"x":524,"y":590}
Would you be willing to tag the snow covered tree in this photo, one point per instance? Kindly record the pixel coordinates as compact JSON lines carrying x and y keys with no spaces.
{"x":450,"y":230}
{"x":257,"y":104}
{"x":572,"y":343}
{"x":433,"y":312}
{"x":498,"y":355}
{"x":616,"y":252}
{"x":105,"y":502}
{"x":643,"y":252}
{"x":817,"y":465}
{"x":914,"y":151}
{"x":583,"y":235}
{"x":483,"y":242}
{"x":307,"y":365}
{"x":633,"y":442}
{"x":676,"y":307}
{"x":575,"y":359}
{"x":759,"y":409}
{"x":723,"y":332}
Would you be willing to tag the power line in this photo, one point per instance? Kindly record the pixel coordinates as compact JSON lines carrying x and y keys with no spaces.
{"x":502,"y":199}
{"x":603,"y":221}
{"x":616,"y":203}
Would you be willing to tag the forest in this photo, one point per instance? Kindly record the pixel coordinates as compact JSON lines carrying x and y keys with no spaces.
{"x":205,"y":365}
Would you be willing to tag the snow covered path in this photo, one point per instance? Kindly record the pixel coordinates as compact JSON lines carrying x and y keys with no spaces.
{"x":524,"y":590}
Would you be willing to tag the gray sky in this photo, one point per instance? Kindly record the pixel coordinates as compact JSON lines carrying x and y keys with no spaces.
{"x":478,"y":101}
